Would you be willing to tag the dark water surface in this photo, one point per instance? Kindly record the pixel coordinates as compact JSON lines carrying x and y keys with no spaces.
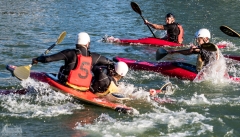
{"x":28,"y":28}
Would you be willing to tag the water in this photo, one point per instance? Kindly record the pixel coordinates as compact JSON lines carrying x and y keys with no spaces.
{"x":28,"y":28}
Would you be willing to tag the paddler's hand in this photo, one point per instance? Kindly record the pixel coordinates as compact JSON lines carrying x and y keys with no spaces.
{"x":152,"y":92}
{"x":146,"y":22}
{"x":34,"y":61}
{"x":193,"y":48}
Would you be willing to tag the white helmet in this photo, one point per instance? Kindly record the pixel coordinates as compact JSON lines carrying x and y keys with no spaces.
{"x":82,"y":38}
{"x":121,"y":68}
{"x":204,"y":33}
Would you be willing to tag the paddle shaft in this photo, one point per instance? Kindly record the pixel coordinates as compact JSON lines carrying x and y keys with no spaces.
{"x":161,"y":52}
{"x":53,"y":45}
{"x":23,"y":72}
{"x":179,"y":51}
{"x":59,"y":40}
{"x":149,"y":27}
{"x":137,"y":9}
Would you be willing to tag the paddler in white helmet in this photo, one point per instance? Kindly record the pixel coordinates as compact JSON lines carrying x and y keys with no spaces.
{"x":204,"y":57}
{"x":105,"y":80}
{"x":77,"y":69}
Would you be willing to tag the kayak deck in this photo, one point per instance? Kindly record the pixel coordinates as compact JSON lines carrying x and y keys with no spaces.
{"x":157,"y":42}
{"x":179,"y":70}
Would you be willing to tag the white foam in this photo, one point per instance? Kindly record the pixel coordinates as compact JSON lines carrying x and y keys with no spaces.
{"x":40,"y":101}
{"x":191,"y":121}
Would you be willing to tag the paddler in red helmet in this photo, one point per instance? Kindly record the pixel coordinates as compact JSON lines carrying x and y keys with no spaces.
{"x":175,"y":31}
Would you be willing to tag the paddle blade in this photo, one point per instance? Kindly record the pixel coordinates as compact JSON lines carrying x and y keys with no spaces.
{"x":160,"y":53}
{"x":136,"y":8}
{"x":22,"y":72}
{"x":229,"y":31}
{"x":209,"y":47}
{"x":61,"y":37}
{"x":167,"y":89}
{"x":59,"y":40}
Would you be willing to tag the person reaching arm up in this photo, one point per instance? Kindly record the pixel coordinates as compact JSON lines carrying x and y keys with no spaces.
{"x":175,"y":31}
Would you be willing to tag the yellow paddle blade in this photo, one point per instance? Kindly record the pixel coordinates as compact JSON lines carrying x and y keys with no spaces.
{"x":61,"y":37}
{"x":22,"y":72}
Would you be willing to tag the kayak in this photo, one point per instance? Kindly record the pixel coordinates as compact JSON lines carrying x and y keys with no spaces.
{"x":179,"y":70}
{"x":148,"y":41}
{"x":232,"y":57}
{"x":86,"y":96}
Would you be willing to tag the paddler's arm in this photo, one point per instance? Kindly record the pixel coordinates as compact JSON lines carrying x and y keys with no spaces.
{"x":55,"y":57}
{"x":192,"y":50}
{"x":155,"y":26}
{"x":101,"y":60}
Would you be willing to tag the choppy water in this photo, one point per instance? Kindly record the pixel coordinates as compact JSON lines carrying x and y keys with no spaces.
{"x":209,"y":108}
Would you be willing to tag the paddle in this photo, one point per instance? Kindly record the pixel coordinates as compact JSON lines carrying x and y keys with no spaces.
{"x":229,"y":31}
{"x":23,"y":72}
{"x":167,"y":89}
{"x":161,"y":52}
{"x":116,"y":97}
{"x":137,"y":9}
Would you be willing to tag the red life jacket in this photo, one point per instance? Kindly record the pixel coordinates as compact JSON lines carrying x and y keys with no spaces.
{"x":181,"y":34}
{"x":80,"y":77}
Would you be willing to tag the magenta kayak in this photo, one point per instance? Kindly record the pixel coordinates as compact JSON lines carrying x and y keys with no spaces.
{"x":232,"y":57}
{"x":148,"y":41}
{"x":179,"y":70}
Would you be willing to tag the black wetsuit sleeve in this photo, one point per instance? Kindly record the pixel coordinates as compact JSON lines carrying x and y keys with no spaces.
{"x":55,"y":57}
{"x":101,"y":81}
{"x":100,"y":60}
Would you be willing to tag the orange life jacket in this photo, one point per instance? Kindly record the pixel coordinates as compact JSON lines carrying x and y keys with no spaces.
{"x":80,"y":77}
{"x":181,"y":34}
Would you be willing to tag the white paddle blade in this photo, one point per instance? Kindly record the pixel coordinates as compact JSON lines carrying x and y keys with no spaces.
{"x":116,"y":97}
{"x":168,"y":88}
{"x":22,"y":72}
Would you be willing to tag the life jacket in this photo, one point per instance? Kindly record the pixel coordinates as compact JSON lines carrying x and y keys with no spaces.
{"x":178,"y":38}
{"x":111,"y":89}
{"x":201,"y":63}
{"x":181,"y":34}
{"x":80,"y":77}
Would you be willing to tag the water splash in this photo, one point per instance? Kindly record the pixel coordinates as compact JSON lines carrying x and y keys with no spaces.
{"x":39,"y":101}
{"x":215,"y":71}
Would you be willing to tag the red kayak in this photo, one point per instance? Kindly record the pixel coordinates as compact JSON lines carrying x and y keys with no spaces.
{"x":86,"y":96}
{"x":148,"y":41}
{"x":179,"y":70}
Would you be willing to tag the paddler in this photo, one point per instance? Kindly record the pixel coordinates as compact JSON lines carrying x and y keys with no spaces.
{"x":78,"y":62}
{"x":105,"y":80}
{"x":204,"y":57}
{"x":175,"y":31}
